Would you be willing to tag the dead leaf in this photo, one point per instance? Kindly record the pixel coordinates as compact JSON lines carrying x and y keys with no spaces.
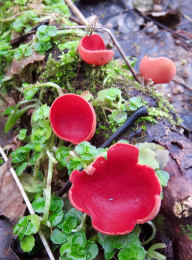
{"x":18,"y":65}
{"x":6,"y":253}
{"x":11,"y":200}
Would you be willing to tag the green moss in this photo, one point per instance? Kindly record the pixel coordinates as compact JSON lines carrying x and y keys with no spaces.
{"x":187,"y":230}
{"x":76,"y":76}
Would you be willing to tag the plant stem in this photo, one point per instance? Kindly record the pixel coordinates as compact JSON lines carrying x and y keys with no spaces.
{"x":81,"y":225}
{"x":50,"y":84}
{"x":157,"y":256}
{"x":48,"y":190}
{"x":152,"y":235}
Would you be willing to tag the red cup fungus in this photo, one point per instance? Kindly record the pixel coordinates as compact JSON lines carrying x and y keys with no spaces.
{"x":93,"y":51}
{"x":73,"y":118}
{"x":117,"y":193}
{"x":160,"y":70}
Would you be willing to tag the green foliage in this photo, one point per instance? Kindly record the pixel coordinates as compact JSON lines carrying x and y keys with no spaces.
{"x":41,"y":113}
{"x":22,"y":134}
{"x":88,"y":152}
{"x":16,"y":114}
{"x":44,"y":36}
{"x":153,"y":155}
{"x":5,"y":53}
{"x":62,"y":155}
{"x":27,"y":226}
{"x":24,"y":156}
{"x":135,"y":103}
{"x":58,"y":237}
{"x":27,"y":243}
{"x":156,"y":157}
{"x":56,"y":218}
{"x":153,"y":254}
{"x":132,"y":252}
{"x":111,"y":100}
{"x":60,"y":8}
{"x":29,"y":90}
{"x":129,"y":246}
{"x":22,"y":153}
{"x":28,"y":155}
{"x":63,"y":71}
{"x":71,"y":45}
{"x":78,"y":247}
{"x":163,"y":177}
{"x":113,"y":71}
{"x":23,"y":51}
{"x":39,"y":204}
{"x":68,"y":224}
{"x":25,"y":22}
{"x":83,"y":154}
{"x":21,"y":168}
{"x":24,"y":229}
{"x":41,"y":129}
{"x":21,"y":2}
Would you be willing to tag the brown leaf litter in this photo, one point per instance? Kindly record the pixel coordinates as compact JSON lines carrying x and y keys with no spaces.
{"x":11,"y":200}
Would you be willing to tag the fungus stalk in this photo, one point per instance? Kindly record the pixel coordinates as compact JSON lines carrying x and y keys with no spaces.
{"x":47,"y":191}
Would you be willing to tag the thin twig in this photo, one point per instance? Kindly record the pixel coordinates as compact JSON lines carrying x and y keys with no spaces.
{"x":28,"y":203}
{"x":77,"y":12}
{"x":182,"y":84}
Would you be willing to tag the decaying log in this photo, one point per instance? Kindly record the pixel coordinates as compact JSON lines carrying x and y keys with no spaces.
{"x":177,"y":202}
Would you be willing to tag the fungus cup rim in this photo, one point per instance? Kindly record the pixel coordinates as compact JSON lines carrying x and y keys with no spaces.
{"x":83,"y":203}
{"x":92,"y":114}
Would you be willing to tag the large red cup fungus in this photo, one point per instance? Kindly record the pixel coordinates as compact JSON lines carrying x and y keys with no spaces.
{"x":160,"y":70}
{"x":117,"y":193}
{"x":93,"y":51}
{"x":73,"y":118}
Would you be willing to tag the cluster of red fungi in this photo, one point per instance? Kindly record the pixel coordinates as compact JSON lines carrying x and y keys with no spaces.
{"x":117,"y":192}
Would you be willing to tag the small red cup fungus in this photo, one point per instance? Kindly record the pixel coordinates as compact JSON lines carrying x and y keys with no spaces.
{"x":160,"y":70}
{"x":93,"y":51}
{"x":118,"y":193}
{"x":73,"y":118}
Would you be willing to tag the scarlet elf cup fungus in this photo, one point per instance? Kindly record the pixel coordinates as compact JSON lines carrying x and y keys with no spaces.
{"x":73,"y":118}
{"x":93,"y":51}
{"x":118,"y":193}
{"x":160,"y":70}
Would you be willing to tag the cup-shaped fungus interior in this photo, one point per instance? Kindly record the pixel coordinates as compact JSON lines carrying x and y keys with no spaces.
{"x":93,"y":51}
{"x":73,"y":118}
{"x":93,"y":42}
{"x":119,"y":193}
